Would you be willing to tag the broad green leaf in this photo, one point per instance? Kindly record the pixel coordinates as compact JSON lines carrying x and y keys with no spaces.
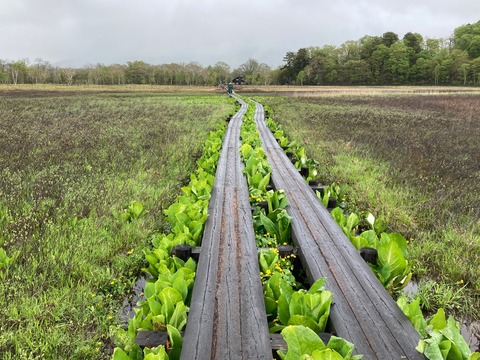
{"x":155,"y":306}
{"x":371,"y":237}
{"x":276,"y":328}
{"x":176,"y":342}
{"x":318,"y":304}
{"x":379,"y":226}
{"x":119,"y":354}
{"x":433,"y":352}
{"x":450,"y":351}
{"x":342,"y":346}
{"x":270,"y":306}
{"x":306,"y":357}
{"x":191,"y":264}
{"x":326,"y":354}
{"x":352,"y":221}
{"x":169,"y":297}
{"x":390,"y":255}
{"x":181,"y":286}
{"x":256,"y":179}
{"x":338,"y":216}
{"x":283,"y":309}
{"x":297,"y":304}
{"x":269,"y":226}
{"x":452,"y":332}
{"x":438,"y":321}
{"x":304,"y":321}
{"x":262,"y":185}
{"x":359,"y":242}
{"x":179,"y":316}
{"x":301,"y":340}
{"x":284,"y":226}
{"x":318,"y":286}
{"x":149,"y":288}
{"x":147,"y":322}
{"x":401,"y":242}
{"x":275,"y":285}
{"x":158,"y":353}
{"x":414,"y":313}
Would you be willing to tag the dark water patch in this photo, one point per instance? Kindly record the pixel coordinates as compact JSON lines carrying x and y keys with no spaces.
{"x":130,"y":303}
{"x":470,"y":331}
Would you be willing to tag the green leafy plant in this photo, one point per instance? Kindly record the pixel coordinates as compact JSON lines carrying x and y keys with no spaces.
{"x":334,"y":191}
{"x":271,"y":263}
{"x":157,"y":353}
{"x":168,"y":291}
{"x":392,"y":267}
{"x":441,"y":336}
{"x":131,"y":212}
{"x":288,"y":307}
{"x":303,"y":343}
{"x":276,"y":200}
{"x":5,"y":260}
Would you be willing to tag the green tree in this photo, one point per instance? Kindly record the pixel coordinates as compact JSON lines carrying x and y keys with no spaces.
{"x":322,"y":66}
{"x":356,"y":72}
{"x":220,"y":73}
{"x":250,"y":70}
{"x":368,"y":44}
{"x":423,"y":71}
{"x":389,"y":38}
{"x":295,"y":62}
{"x":475,"y":69}
{"x":414,"y":41}
{"x":474,"y":47}
{"x":464,"y":35}
{"x":18,"y":71}
{"x":137,"y":72}
{"x":398,"y":63}
{"x":378,"y":65}
{"x":4,"y":72}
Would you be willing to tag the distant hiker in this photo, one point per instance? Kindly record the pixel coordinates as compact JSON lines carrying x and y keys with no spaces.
{"x":230,"y":88}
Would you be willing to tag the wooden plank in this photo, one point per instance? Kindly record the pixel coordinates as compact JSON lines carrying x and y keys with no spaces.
{"x":227,"y":318}
{"x":150,"y":339}
{"x":363,"y":311}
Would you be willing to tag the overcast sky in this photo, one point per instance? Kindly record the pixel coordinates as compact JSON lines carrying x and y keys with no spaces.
{"x":83,"y":32}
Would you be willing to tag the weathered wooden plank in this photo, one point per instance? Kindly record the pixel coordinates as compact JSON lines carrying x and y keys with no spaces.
{"x":150,"y":339}
{"x":227,"y":318}
{"x":363,"y":311}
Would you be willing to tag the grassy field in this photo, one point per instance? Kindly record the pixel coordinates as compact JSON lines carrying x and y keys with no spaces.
{"x":71,"y":163}
{"x":411,"y":157}
{"x":72,"y":160}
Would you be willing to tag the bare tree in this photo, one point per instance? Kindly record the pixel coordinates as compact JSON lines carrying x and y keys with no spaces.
{"x":68,"y":74}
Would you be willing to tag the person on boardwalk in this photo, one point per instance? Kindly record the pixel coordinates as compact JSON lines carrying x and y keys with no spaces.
{"x":230,"y":88}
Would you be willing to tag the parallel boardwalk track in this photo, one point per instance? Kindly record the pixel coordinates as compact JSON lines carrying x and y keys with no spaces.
{"x":227,"y":318}
{"x":363,"y":312}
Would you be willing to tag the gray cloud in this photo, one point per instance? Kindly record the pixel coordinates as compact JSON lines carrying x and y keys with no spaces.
{"x":162,"y":31}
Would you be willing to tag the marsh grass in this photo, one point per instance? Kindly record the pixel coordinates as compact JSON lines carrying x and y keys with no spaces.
{"x":412,"y":159}
{"x":70,"y":164}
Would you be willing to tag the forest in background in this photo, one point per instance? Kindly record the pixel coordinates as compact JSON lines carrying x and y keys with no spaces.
{"x":371,"y":60}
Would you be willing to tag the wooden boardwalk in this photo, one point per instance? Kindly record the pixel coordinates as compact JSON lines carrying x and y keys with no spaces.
{"x":363,"y":311}
{"x":227,"y":318}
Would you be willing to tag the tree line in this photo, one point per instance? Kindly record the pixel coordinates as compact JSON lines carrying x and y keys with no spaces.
{"x":389,"y":60}
{"x":371,"y":60}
